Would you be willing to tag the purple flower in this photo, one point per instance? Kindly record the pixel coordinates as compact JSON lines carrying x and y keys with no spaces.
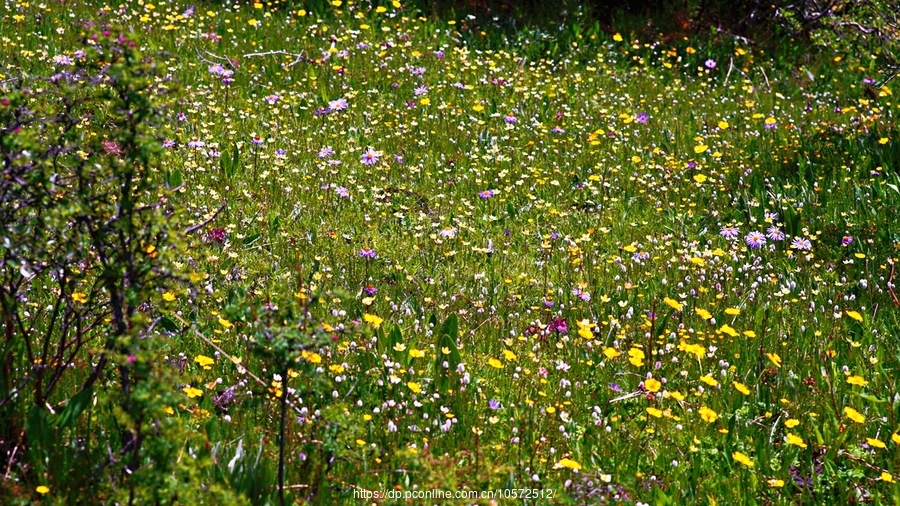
{"x":755,"y":240}
{"x":216,"y":69}
{"x":338,"y":105}
{"x":511,"y":118}
{"x":775,"y":233}
{"x":801,"y":243}
{"x":168,"y":143}
{"x":398,"y":159}
{"x":771,"y":125}
{"x":370,"y":157}
{"x":62,"y":59}
{"x":272,"y":99}
{"x":710,"y":63}
{"x":494,"y":404}
{"x":615,"y":388}
{"x":771,"y":216}
{"x":729,"y":232}
{"x":216,"y":235}
{"x":460,"y":86}
{"x":367,"y":253}
{"x":421,"y":90}
{"x":868,"y":80}
{"x":692,"y":164}
{"x":417,"y":71}
{"x":370,"y":290}
{"x":558,"y":130}
{"x":439,"y":53}
{"x":642,"y":118}
{"x":196,"y":143}
{"x":257,"y":141}
{"x":559,"y":325}
{"x":280,"y":153}
{"x":321,"y":111}
{"x":846,"y":240}
{"x":342,"y":192}
{"x":325,"y":152}
{"x":188,"y":12}
{"x":486,"y":194}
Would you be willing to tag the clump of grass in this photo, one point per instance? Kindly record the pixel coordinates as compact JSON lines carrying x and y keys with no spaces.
{"x":625,"y":270}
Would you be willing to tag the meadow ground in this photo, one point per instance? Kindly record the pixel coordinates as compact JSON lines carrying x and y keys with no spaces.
{"x":624,"y":271}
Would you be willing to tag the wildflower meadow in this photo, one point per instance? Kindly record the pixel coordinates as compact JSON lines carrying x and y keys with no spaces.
{"x":356,"y":252}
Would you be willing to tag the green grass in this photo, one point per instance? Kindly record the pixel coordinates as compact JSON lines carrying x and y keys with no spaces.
{"x":571,"y":212}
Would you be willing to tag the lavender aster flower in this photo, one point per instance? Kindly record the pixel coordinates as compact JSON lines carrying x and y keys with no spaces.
{"x":729,"y":232}
{"x":370,"y":157}
{"x":755,"y":240}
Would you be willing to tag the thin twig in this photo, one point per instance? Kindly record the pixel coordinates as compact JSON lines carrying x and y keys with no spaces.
{"x":298,"y":57}
{"x":205,"y":222}
{"x":890,"y":285}
{"x":730,"y":68}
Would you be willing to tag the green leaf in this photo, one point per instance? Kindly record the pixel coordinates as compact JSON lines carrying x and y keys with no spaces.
{"x":73,"y":409}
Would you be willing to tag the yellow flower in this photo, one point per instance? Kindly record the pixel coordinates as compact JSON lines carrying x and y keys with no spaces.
{"x":336,"y":368}
{"x":611,"y":353}
{"x":314,"y":358}
{"x":412,"y":385}
{"x":857,"y":380}
{"x":252,"y":22}
{"x":854,"y":415}
{"x":192,"y":392}
{"x":698,"y":350}
{"x":416,"y":353}
{"x":793,"y":422}
{"x":168,"y":296}
{"x":895,"y":438}
{"x":774,"y":358}
{"x":568,"y":463}
{"x":875,"y":442}
{"x":740,"y":387}
{"x":655,"y":412}
{"x":373,"y":319}
{"x":700,"y":178}
{"x":723,"y":125}
{"x":709,"y":380}
{"x":706,"y":315}
{"x":775,"y":483}
{"x":700,"y":148}
{"x":204,"y":361}
{"x":856,"y":316}
{"x":795,"y":440}
{"x":636,"y":357}
{"x":617,"y":37}
{"x":708,"y":415}
{"x":584,"y":329}
{"x":727,"y":329}
{"x":496,"y":364}
{"x":743,"y":459}
{"x":79,"y":297}
{"x":508,"y":355}
{"x":678,"y":396}
{"x":733,"y":311}
{"x":888,"y":477}
{"x":883,"y":140}
{"x":478,"y":108}
{"x":225,"y":323}
{"x":674,"y":304}
{"x":42,"y":489}
{"x":652,"y":385}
